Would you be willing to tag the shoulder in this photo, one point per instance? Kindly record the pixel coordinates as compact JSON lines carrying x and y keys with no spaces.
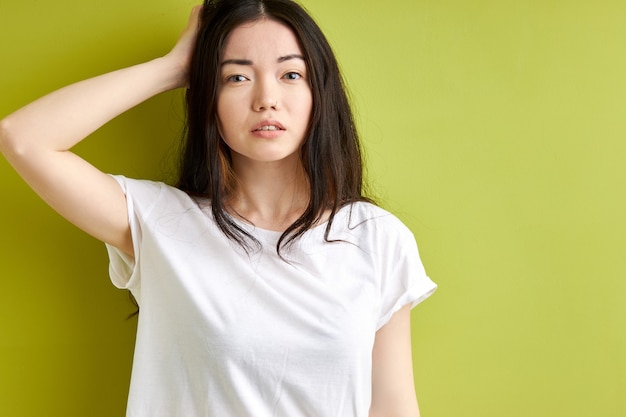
{"x":369,"y":220}
{"x":134,"y":186}
{"x":144,"y":194}
{"x":368,"y":214}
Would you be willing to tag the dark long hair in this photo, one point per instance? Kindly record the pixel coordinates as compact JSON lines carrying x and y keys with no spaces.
{"x":330,"y":154}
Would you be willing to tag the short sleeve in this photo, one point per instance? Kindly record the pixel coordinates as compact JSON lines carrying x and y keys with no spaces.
{"x":140,"y":198}
{"x":405,"y":280}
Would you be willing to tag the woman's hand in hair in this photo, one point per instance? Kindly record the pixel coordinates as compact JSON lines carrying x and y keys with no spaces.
{"x":182,"y":51}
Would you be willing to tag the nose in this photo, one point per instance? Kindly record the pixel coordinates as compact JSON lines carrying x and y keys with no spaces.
{"x":266,"y":96}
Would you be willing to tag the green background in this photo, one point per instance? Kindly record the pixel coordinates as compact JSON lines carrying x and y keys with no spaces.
{"x":494,"y":129}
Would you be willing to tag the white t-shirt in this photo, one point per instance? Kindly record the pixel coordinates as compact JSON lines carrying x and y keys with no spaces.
{"x":225,"y":334}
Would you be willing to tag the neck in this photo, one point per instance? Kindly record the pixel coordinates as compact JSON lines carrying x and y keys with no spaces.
{"x":269,"y":195}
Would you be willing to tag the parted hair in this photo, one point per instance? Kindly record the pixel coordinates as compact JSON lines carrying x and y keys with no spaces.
{"x":331,"y":152}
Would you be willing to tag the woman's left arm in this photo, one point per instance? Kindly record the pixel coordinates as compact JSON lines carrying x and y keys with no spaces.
{"x":393,"y":389}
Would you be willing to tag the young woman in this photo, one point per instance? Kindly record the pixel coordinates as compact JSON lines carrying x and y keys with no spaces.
{"x":268,"y":284}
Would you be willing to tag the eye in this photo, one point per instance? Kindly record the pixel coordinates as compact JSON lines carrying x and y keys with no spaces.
{"x":292,"y":75}
{"x":237,"y":78}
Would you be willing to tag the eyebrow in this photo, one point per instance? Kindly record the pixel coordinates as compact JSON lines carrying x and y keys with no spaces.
{"x":249,"y":62}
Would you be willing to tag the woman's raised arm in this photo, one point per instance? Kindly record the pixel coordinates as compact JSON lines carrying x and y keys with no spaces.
{"x":36,"y":139}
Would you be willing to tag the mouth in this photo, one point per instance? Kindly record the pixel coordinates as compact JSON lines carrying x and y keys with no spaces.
{"x":268,"y":126}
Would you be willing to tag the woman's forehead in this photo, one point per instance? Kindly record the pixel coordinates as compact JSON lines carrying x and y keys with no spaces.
{"x":261,"y":39}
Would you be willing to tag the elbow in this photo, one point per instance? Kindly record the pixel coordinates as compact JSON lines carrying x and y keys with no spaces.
{"x":4,"y":134}
{"x":6,"y":138}
{"x":10,"y":145}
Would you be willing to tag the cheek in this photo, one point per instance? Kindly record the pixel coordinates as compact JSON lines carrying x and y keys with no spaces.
{"x":229,"y":107}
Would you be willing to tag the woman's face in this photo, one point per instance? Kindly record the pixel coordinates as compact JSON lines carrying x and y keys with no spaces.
{"x":264,"y":102}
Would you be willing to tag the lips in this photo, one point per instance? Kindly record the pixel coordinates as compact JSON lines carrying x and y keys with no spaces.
{"x":268,"y":126}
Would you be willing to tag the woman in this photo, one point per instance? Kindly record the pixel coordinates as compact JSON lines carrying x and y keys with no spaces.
{"x":268,"y":285}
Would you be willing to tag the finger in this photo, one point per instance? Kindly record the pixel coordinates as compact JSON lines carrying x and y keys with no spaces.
{"x":194,"y":17}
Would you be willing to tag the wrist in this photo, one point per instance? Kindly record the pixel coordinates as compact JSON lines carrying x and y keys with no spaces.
{"x":173,"y":73}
